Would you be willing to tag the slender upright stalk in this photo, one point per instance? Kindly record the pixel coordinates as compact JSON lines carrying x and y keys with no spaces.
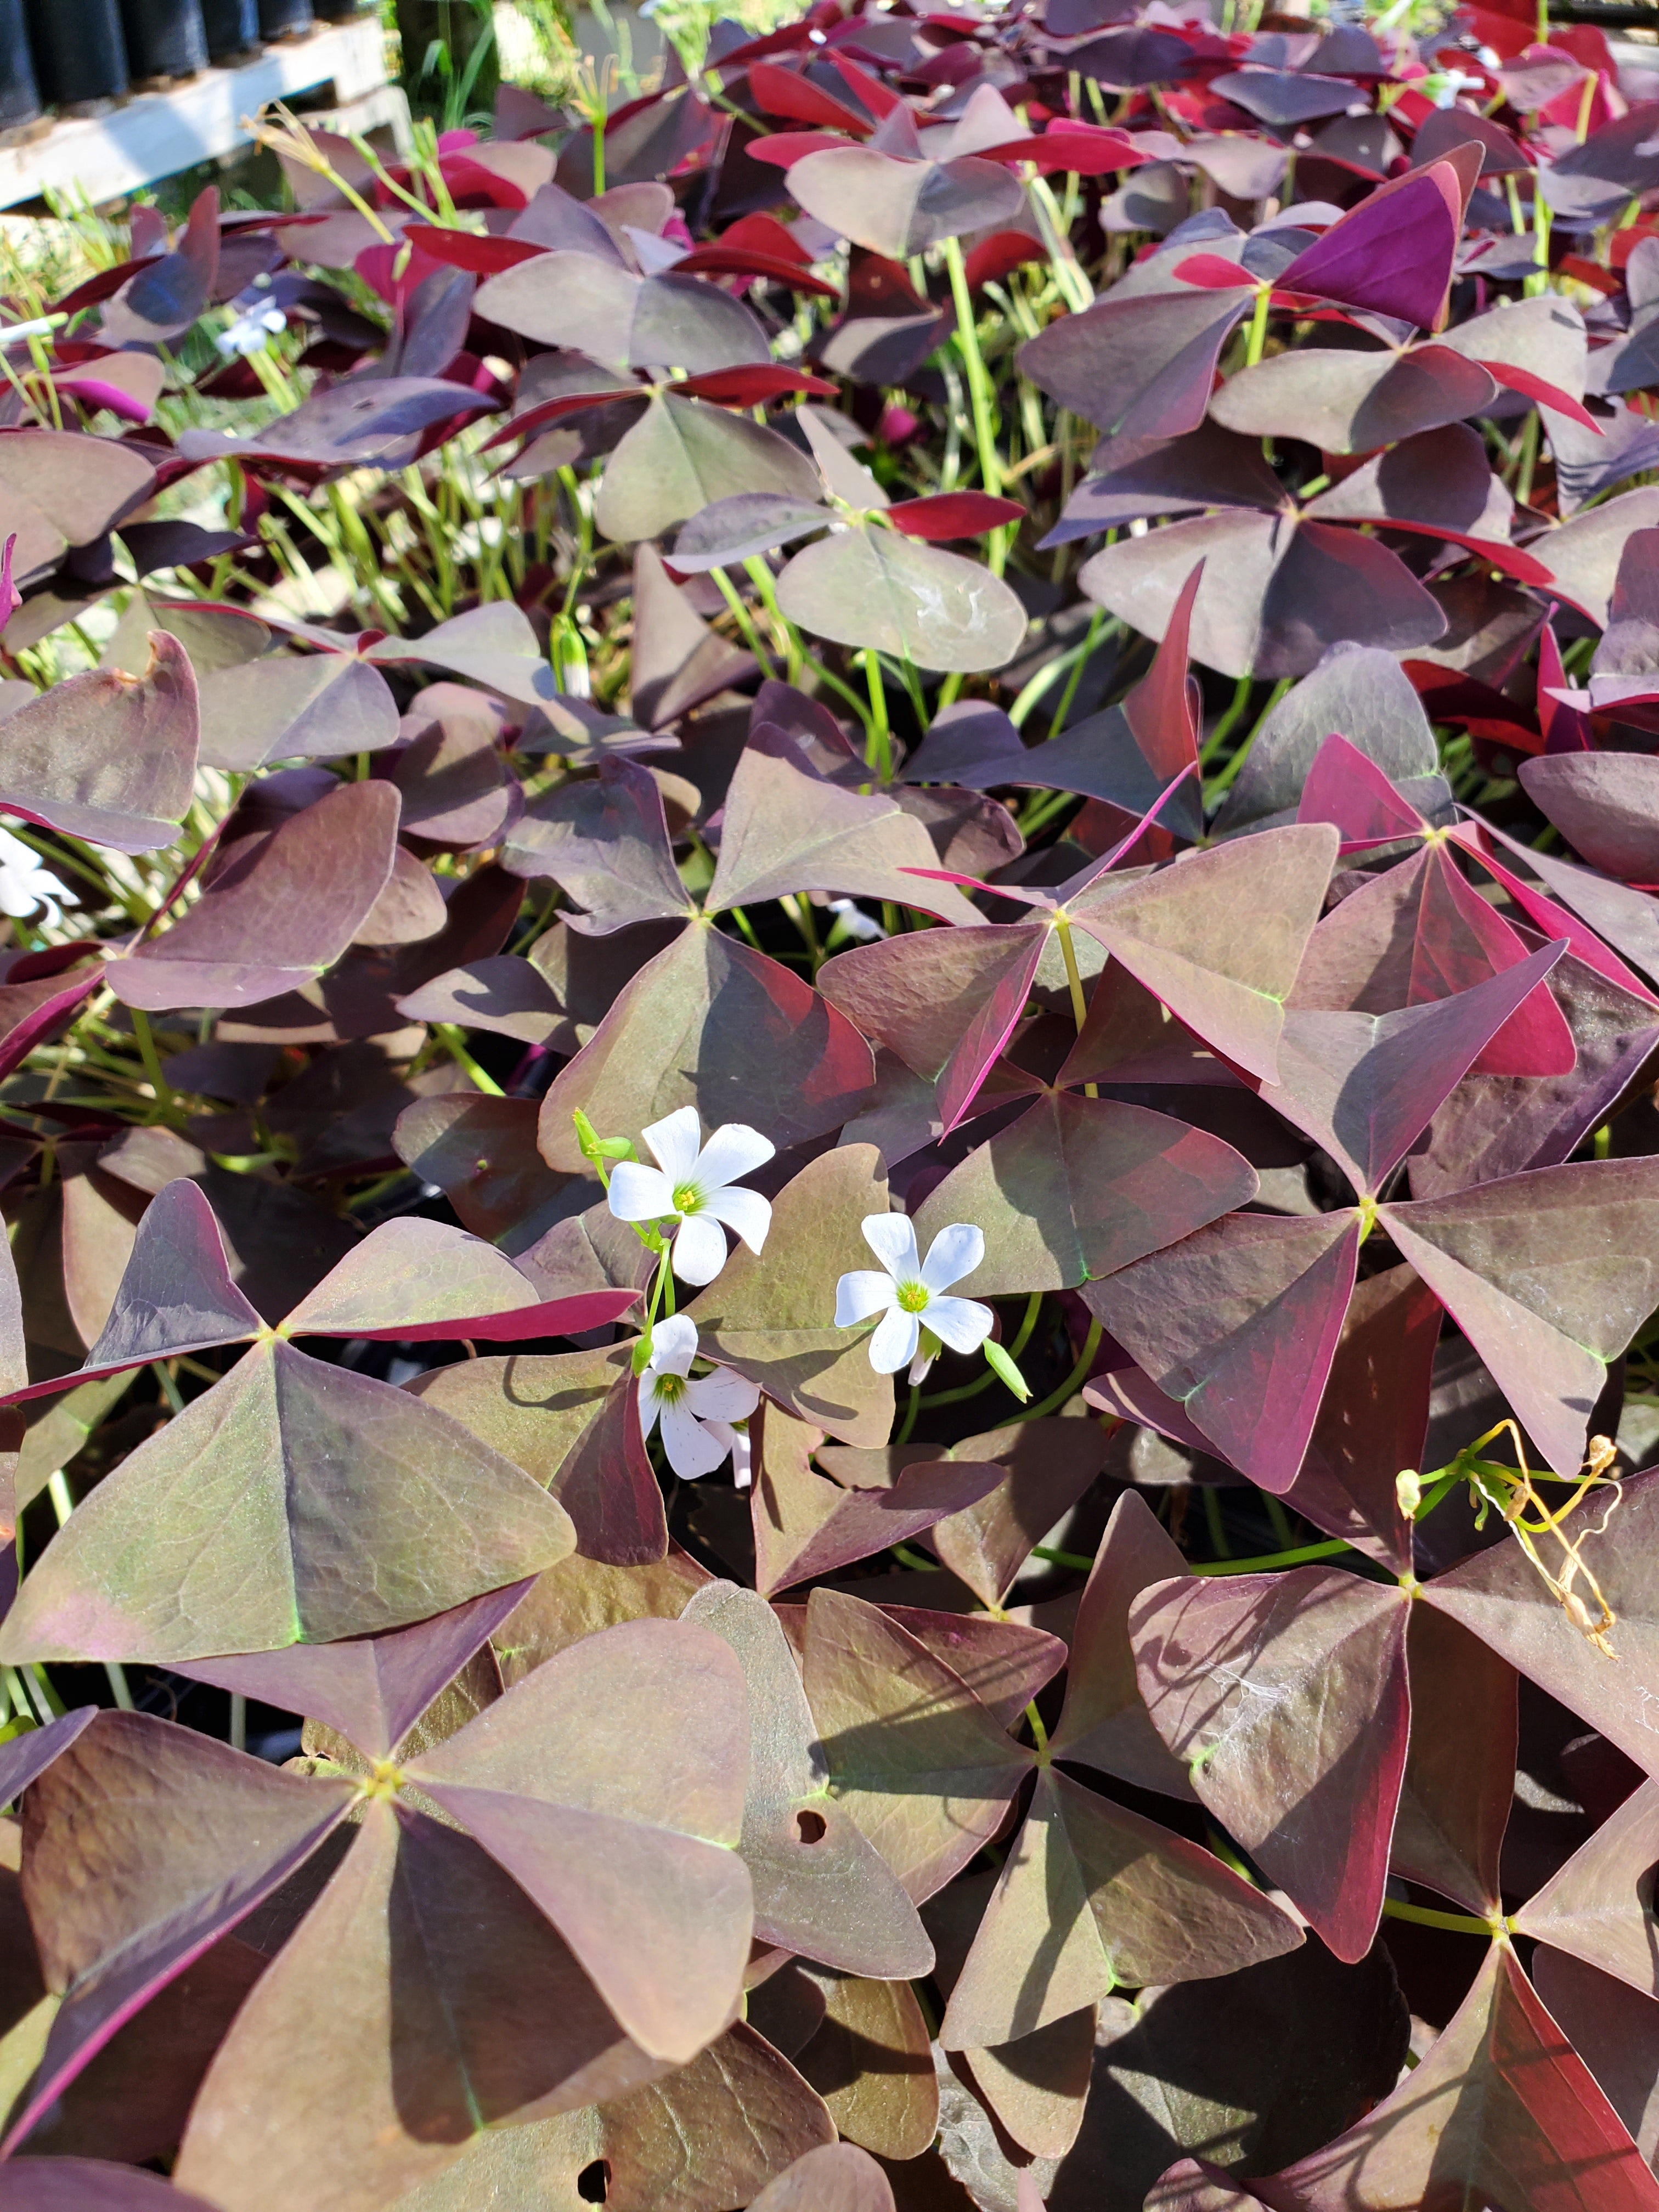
{"x":879,"y":757}
{"x":1256,"y":344}
{"x":979,"y":383}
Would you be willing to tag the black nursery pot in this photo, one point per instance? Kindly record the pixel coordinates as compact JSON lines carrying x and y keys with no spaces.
{"x":165,"y":38}
{"x":335,"y":11}
{"x":19,"y":96}
{"x":80,"y":54}
{"x":232,"y":27}
{"x":281,"y":18}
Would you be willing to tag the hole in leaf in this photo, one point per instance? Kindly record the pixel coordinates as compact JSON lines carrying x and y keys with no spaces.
{"x":593,"y":2182}
{"x":810,"y":1827}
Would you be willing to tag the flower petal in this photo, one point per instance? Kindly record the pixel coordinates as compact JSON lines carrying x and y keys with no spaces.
{"x":691,"y":1450}
{"x":892,"y":1238}
{"x":722,"y":1396}
{"x":640,"y":1194}
{"x":893,"y":1345}
{"x":742,"y":1455}
{"x":962,"y":1324}
{"x":745,"y":1211}
{"x":650,"y":1404}
{"x":674,"y":1141}
{"x":723,"y":1433}
{"x":673,"y":1345}
{"x":734,"y":1150}
{"x":699,"y":1249}
{"x":954,"y":1253}
{"x":861,"y":1293}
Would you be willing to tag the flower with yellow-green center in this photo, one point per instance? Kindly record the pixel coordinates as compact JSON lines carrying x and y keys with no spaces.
{"x":910,"y":1292}
{"x":696,"y":1415}
{"x":695,"y":1184}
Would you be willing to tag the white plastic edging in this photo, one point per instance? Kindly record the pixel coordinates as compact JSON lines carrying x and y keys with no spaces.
{"x":155,"y":134}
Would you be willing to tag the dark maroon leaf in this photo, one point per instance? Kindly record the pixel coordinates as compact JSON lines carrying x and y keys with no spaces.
{"x":92,"y":2184}
{"x":869,"y":586}
{"x":666,"y":321}
{"x":1091,"y":1895}
{"x":784,"y":830}
{"x":1373,"y":1418}
{"x":1393,"y":253}
{"x":1458,"y":1785}
{"x":1275,"y":598}
{"x":1079,"y":1187}
{"x":821,"y":1891}
{"x":108,"y":757}
{"x":23,"y":1757}
{"x":946,"y":1002}
{"x":729,"y":1032}
{"x":1367,"y":1085}
{"x":899,"y":208}
{"x":748,"y":522}
{"x":505,"y":993}
{"x":1133,"y":478}
{"x":1502,"y":2102}
{"x":283,"y":906}
{"x":1049,"y":1464}
{"x":743,"y":2106}
{"x":370,"y":1689}
{"x":419,"y":1282}
{"x":386,"y":1984}
{"x":59,"y":488}
{"x":606,"y":843}
{"x":1354,"y":402}
{"x":678,"y":660}
{"x":953,"y":515}
{"x":1615,"y":2030}
{"x":175,"y":1295}
{"x":1105,"y":1723}
{"x":494,"y":644}
{"x":1547,"y":1274}
{"x":1281,"y":97}
{"x":453,"y":787}
{"x":1142,"y":367}
{"x":1285,"y":1696}
{"x":922,"y":1766}
{"x":201,"y":1834}
{"x":1599,"y":1906}
{"x":1495,"y":1125}
{"x":539,"y":1792}
{"x":1239,"y":1324}
{"x":379,"y":422}
{"x":272,"y":1486}
{"x":1603,"y":804}
{"x":572,"y":1423}
{"x":807,"y":1527}
{"x":1366,"y":697}
{"x":682,"y":455}
{"x":1162,"y":931}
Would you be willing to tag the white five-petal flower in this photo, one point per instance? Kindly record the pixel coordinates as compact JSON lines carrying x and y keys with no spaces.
{"x":697,"y":1184}
{"x":27,"y":882}
{"x":909,"y":1294}
{"x":253,"y":330}
{"x":697,"y":1417}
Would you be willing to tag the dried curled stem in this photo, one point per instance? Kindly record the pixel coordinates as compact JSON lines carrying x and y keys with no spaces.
{"x":1511,"y":1490}
{"x":280,"y":132}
